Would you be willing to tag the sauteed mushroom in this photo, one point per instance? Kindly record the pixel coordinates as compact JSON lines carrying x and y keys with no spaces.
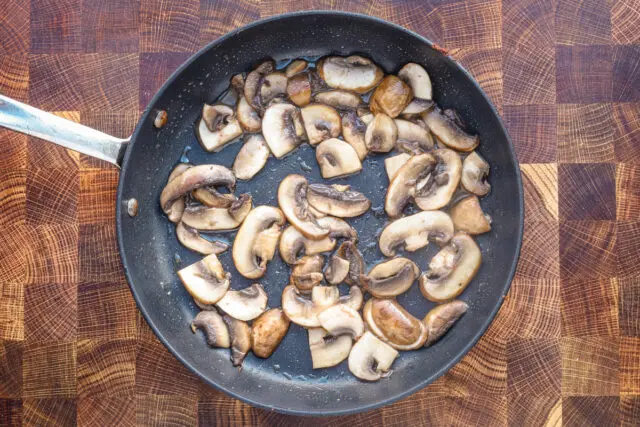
{"x":337,"y":270}
{"x":381,"y":134}
{"x":253,"y":82}
{"x":436,"y":190}
{"x":217,"y":127}
{"x":416,"y":107}
{"x":299,"y":89}
{"x":248,"y":117}
{"x":393,"y":164}
{"x":342,"y":320}
{"x":191,"y":239}
{"x":175,"y":209}
{"x":210,"y":197}
{"x":251,"y":158}
{"x":394,"y":325}
{"x":240,"y":334}
{"x":320,"y":122}
{"x":337,"y":200}
{"x":391,"y":278}
{"x":413,"y":138}
{"x":274,"y":85}
{"x":474,"y":174}
{"x":307,"y":273}
{"x":268,"y":331}
{"x":292,"y":198}
{"x":337,"y":158}
{"x":293,"y":245}
{"x":245,"y":304}
{"x":340,"y":99}
{"x":282,"y":128}
{"x":214,"y":328}
{"x":467,"y":216}
{"x":415,"y":231}
{"x":440,"y":319}
{"x":327,"y":350}
{"x":353,"y":131}
{"x":418,"y":79}
{"x":296,"y":66}
{"x":350,"y":252}
{"x":403,"y":186}
{"x":390,"y":97}
{"x":206,"y":281}
{"x":370,"y":359}
{"x":448,"y":131}
{"x":218,"y":219}
{"x":302,"y":310}
{"x":353,"y":73}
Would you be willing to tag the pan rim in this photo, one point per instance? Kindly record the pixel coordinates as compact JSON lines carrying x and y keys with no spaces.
{"x":323,"y":411}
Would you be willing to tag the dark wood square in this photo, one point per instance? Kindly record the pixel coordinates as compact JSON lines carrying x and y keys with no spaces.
{"x":49,"y":370}
{"x":481,"y":32}
{"x":587,"y":250}
{"x":589,"y":308}
{"x":626,"y":132}
{"x":107,"y":411}
{"x":13,"y":185}
{"x":629,"y":306}
{"x":14,"y":78}
{"x":585,"y":133}
{"x":169,"y":26}
{"x":590,"y":366}
{"x":11,"y":412}
{"x":14,"y":27}
{"x":629,"y":410}
{"x":583,"y":74}
{"x":626,"y":73}
{"x":624,"y":22}
{"x":106,"y":368}
{"x":486,"y":67}
{"x":106,"y":310}
{"x":583,"y":22}
{"x":159,"y":373}
{"x":98,"y":254}
{"x":110,"y":26}
{"x":534,"y":367}
{"x":96,"y":202}
{"x":155,"y":68}
{"x":533,"y":132}
{"x":535,"y":411}
{"x":160,"y":410}
{"x":54,"y":258}
{"x":539,"y":253}
{"x":592,"y":411}
{"x":627,"y":244}
{"x":587,"y":191}
{"x":628,"y":191}
{"x":56,"y":26}
{"x":50,"y":312}
{"x":10,"y":369}
{"x":219,"y":17}
{"x":527,"y":24}
{"x":54,"y":412}
{"x":528,"y":78}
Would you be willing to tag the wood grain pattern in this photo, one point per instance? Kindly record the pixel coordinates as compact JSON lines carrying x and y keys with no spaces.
{"x":14,"y":76}
{"x":11,"y":412}
{"x":106,"y":368}
{"x":629,"y":410}
{"x":10,"y":369}
{"x":627,"y":244}
{"x":588,"y":191}
{"x":585,"y":133}
{"x":536,"y":263}
{"x":13,"y":198}
{"x":534,"y":367}
{"x":590,"y":366}
{"x":627,"y":191}
{"x":50,"y":312}
{"x":589,"y":307}
{"x":106,"y":310}
{"x":583,"y":74}
{"x":626,"y":132}
{"x":626,"y":68}
{"x":579,"y":22}
{"x":169,"y":26}
{"x":40,"y":412}
{"x":629,"y":307}
{"x":110,"y":26}
{"x":592,"y":411}
{"x":533,"y":132}
{"x":625,"y":18}
{"x":538,"y":411}
{"x":49,"y":370}
{"x":107,"y":411}
{"x":14,"y":27}
{"x":540,"y":183}
{"x":587,"y":249}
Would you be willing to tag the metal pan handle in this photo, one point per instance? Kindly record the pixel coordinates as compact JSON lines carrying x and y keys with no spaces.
{"x":25,"y":119}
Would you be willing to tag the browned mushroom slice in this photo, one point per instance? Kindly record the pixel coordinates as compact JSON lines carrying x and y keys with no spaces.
{"x":217,"y":127}
{"x":404,"y":185}
{"x":394,"y":325}
{"x":391,"y":278}
{"x":274,"y":85}
{"x":245,"y":304}
{"x":282,"y":128}
{"x":307,"y":273}
{"x":327,"y":350}
{"x":475,"y":170}
{"x":349,"y":251}
{"x":415,"y":231}
{"x":240,"y":334}
{"x":354,"y":299}
{"x":340,"y":99}
{"x":214,"y":328}
{"x":293,"y":245}
{"x":339,"y":228}
{"x":441,"y":318}
{"x":302,"y":310}
{"x":337,"y":270}
{"x":413,"y":138}
{"x":365,"y":114}
{"x":248,"y":117}
{"x":451,"y":269}
{"x":435,"y":191}
{"x":206,"y":281}
{"x":251,"y":158}
{"x":342,"y":320}
{"x":416,"y":108}
{"x":292,"y":198}
{"x":296,"y":66}
{"x":299,"y":89}
{"x":253,"y":83}
{"x":337,"y":200}
{"x":381,"y":134}
{"x":175,"y":209}
{"x":390,"y":97}
{"x":337,"y":158}
{"x":210,"y":197}
{"x":393,"y":164}
{"x":237,"y":84}
{"x":320,"y":122}
{"x":418,"y":79}
{"x":370,"y":358}
{"x":268,"y":331}
{"x":353,"y":131}
{"x":448,"y":131}
{"x":467,"y":216}
{"x":218,"y":219}
{"x":354,"y":73}
{"x":191,"y":239}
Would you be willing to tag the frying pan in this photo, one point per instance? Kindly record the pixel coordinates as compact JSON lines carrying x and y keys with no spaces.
{"x":151,"y":254}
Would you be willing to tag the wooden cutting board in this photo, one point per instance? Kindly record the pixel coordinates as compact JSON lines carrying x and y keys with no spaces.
{"x":565,"y":347}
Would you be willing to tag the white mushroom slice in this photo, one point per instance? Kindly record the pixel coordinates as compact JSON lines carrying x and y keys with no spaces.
{"x":253,"y":82}
{"x":365,"y":114}
{"x":294,"y":245}
{"x":354,"y":299}
{"x":371,"y":358}
{"x":224,"y":128}
{"x":381,"y":134}
{"x":394,"y":325}
{"x":390,"y":97}
{"x":292,"y":198}
{"x":175,"y":209}
{"x":337,"y":270}
{"x":354,"y":73}
{"x":191,"y":239}
{"x":240,"y":334}
{"x":451,"y":269}
{"x":315,"y":212}
{"x":393,"y":164}
{"x":307,"y":273}
{"x":336,"y":200}
{"x":282,"y":128}
{"x":349,"y":251}
{"x":467,"y":216}
{"x":251,"y":158}
{"x":340,"y":99}
{"x":296,"y":66}
{"x":192,"y":178}
{"x":435,"y":191}
{"x":267,"y":332}
{"x":245,"y":304}
{"x":448,"y":131}
{"x":237,"y":84}
{"x":342,"y":320}
{"x":441,"y":318}
{"x":218,"y":219}
{"x":327,"y":350}
{"x":413,"y":138}
{"x":415,"y":231}
{"x":338,"y":228}
{"x":416,"y":107}
{"x":210,"y":197}
{"x":304,"y":311}
{"x":206,"y":281}
{"x":214,"y":328}
{"x":403,"y":186}
{"x":475,"y":170}
{"x":337,"y":158}
{"x":320,"y":122}
{"x":299,"y":89}
{"x":353,"y":131}
{"x":274,"y":85}
{"x":248,"y":117}
{"x":418,"y":79}
{"x":391,"y":278}
{"x":256,"y":241}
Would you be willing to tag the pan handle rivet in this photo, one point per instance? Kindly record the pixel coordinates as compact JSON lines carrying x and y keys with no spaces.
{"x":132,"y":207}
{"x":160,"y":119}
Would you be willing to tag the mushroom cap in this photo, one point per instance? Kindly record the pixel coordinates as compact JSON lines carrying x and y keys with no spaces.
{"x":436,"y":191}
{"x":381,"y":134}
{"x":337,"y":270}
{"x":214,"y":328}
{"x":282,"y":128}
{"x":299,"y":89}
{"x":353,"y":131}
{"x":448,"y":131}
{"x":253,"y":83}
{"x":394,"y":325}
{"x":294,"y":245}
{"x":248,"y":117}
{"x":327,"y":350}
{"x":302,"y":310}
{"x":240,"y":334}
{"x":224,"y":127}
{"x":441,"y":318}
{"x":191,"y":239}
{"x":390,"y":97}
{"x":256,"y":241}
{"x":296,"y":66}
{"x":403,"y":186}
{"x":337,"y":201}
{"x":320,"y":122}
{"x":451,"y":269}
{"x":415,"y":232}
{"x":206,"y":281}
{"x":342,"y":320}
{"x":218,"y":219}
{"x":418,"y":79}
{"x":267,"y":332}
{"x":292,"y":198}
{"x":413,"y":138}
{"x":391,"y":278}
{"x":337,"y":158}
{"x":370,"y":358}
{"x":245,"y":304}
{"x":251,"y":158}
{"x":340,"y":99}
{"x":195,"y":177}
{"x":467,"y":216}
{"x":307,"y":273}
{"x":349,"y":251}
{"x":354,"y":73}
{"x":393,"y":164}
{"x":475,"y":170}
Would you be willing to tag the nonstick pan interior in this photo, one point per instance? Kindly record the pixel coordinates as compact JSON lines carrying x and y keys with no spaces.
{"x":151,"y":254}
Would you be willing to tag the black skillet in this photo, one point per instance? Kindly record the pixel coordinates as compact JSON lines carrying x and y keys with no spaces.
{"x":151,"y":254}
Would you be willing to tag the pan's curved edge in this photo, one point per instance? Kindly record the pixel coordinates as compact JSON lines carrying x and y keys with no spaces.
{"x":328,"y":412}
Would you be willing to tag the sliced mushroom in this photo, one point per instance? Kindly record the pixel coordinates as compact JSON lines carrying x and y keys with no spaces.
{"x":218,"y":219}
{"x":274,"y":85}
{"x":338,"y":228}
{"x":435,"y":191}
{"x":337,"y":270}
{"x":292,"y":198}
{"x":214,"y":328}
{"x":256,"y":241}
{"x":413,"y":138}
{"x":340,"y":99}
{"x":354,"y":73}
{"x":307,"y":273}
{"x":353,"y":299}
{"x":248,"y":117}
{"x":365,"y":114}
{"x":337,"y":158}
{"x":342,"y":320}
{"x":296,"y":66}
{"x":448,"y":131}
{"x":403,"y":186}
{"x":441,"y":318}
{"x":353,"y":131}
{"x":451,"y":269}
{"x":418,"y":79}
{"x":337,"y":200}
{"x":267,"y":332}
{"x":315,"y":212}
{"x":299,"y":89}
{"x":394,"y":325}
{"x":240,"y":334}
{"x":370,"y":359}
{"x":391,"y":278}
{"x":350,"y":252}
{"x":302,"y":310}
{"x":475,"y":170}
{"x":320,"y":122}
{"x":416,"y":107}
{"x":176,"y":208}
{"x":191,"y":239}
{"x":294,"y":245}
{"x":206,"y":281}
{"x":210,"y":197}
{"x":245,"y":304}
{"x":251,"y":158}
{"x":195,"y":177}
{"x":253,"y":83}
{"x":327,"y":350}
{"x":415,"y":231}
{"x":282,"y":128}
{"x":217,"y":127}
{"x":381,"y":134}
{"x":393,"y":164}
{"x":467,"y":216}
{"x":390,"y":97}
{"x":237,"y":84}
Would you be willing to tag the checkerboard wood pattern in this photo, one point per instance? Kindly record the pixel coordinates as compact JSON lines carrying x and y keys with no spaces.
{"x":564,"y":348}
